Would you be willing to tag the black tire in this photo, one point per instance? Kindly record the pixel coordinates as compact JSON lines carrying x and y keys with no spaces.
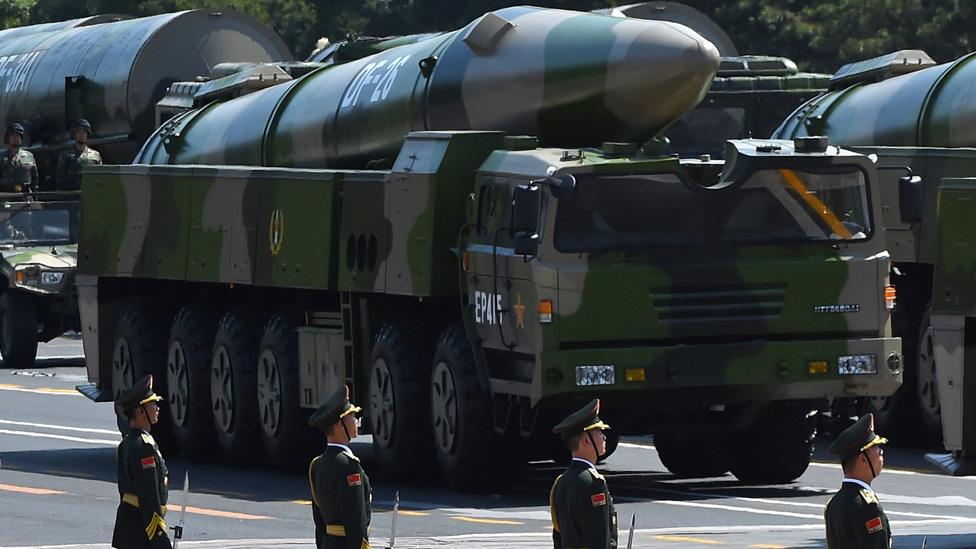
{"x":234,"y":385}
{"x":399,"y":403}
{"x":138,"y":349}
{"x":18,"y":330}
{"x":471,"y":454}
{"x":288,"y":440}
{"x":777,"y":446}
{"x":692,"y":455}
{"x":191,"y":339}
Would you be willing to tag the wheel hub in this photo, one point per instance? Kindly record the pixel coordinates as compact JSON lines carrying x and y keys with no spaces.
{"x":222,"y":389}
{"x":381,"y":409}
{"x":177,"y":383}
{"x":444,"y":407}
{"x":269,"y":393}
{"x":123,"y":376}
{"x":928,"y":395}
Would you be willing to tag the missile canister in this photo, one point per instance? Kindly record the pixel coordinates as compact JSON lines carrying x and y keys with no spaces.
{"x":14,"y":32}
{"x":930,"y":106}
{"x":570,"y":78}
{"x":114,"y":73}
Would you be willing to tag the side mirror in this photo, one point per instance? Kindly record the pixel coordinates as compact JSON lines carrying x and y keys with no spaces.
{"x":527,"y":244}
{"x":559,"y":185}
{"x":526,"y":201}
{"x":910,"y":198}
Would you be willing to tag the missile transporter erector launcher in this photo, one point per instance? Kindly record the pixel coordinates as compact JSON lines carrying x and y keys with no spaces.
{"x":487,"y":283}
{"x":916,"y":118}
{"x":112,"y":71}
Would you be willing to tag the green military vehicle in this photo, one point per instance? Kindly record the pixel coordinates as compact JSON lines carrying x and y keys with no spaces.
{"x":913,"y":116}
{"x":487,"y":282}
{"x":38,"y":243}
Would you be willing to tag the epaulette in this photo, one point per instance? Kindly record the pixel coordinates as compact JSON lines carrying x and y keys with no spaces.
{"x":869,"y":496}
{"x":148,"y":439}
{"x":350,"y":455}
{"x":596,"y":474}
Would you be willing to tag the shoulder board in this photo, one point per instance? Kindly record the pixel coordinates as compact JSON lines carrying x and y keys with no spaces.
{"x":868,"y":496}
{"x":596,"y":474}
{"x":148,"y":439}
{"x":350,"y":455}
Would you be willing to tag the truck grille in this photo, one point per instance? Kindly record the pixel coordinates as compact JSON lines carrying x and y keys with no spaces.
{"x":718,"y":303}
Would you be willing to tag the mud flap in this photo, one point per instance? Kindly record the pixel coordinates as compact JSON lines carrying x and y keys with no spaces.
{"x":953,"y":300}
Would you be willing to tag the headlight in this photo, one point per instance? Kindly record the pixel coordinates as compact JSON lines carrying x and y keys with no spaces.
{"x":595,"y":375}
{"x":857,"y":364}
{"x":51,"y":278}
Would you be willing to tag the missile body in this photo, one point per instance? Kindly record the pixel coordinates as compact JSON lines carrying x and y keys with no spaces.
{"x":569,"y":78}
{"x":930,"y":107}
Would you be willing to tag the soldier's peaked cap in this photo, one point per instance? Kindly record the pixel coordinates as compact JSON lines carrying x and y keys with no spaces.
{"x":585,"y":419}
{"x":333,"y":409}
{"x":856,"y":438}
{"x":140,"y":393}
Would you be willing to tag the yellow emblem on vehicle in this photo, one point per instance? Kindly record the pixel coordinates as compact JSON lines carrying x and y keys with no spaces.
{"x":519,"y":312}
{"x":276,"y":231}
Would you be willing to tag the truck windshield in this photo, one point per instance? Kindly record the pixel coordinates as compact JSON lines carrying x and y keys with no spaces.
{"x":646,"y":211}
{"x":21,"y":227}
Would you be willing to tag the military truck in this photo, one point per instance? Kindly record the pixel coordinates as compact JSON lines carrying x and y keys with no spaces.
{"x":487,"y":282}
{"x":913,"y":116}
{"x":38,"y":245}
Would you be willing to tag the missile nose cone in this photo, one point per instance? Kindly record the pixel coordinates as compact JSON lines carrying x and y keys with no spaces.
{"x":660,"y":74}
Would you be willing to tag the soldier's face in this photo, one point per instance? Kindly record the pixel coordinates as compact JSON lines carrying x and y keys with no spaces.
{"x":14,"y":140}
{"x":876,"y":455}
{"x":601,"y":443}
{"x":352,"y":425}
{"x":80,"y":136}
{"x":152,"y":412}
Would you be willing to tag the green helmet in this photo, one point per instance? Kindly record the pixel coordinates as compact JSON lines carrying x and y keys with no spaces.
{"x":81,"y":124}
{"x":15,"y":128}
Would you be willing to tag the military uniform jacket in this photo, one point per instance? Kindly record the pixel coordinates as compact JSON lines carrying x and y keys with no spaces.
{"x":582,"y":509}
{"x":70,"y":165}
{"x":17,"y":172}
{"x":341,"y":500}
{"x":143,"y":488}
{"x":855,"y":519}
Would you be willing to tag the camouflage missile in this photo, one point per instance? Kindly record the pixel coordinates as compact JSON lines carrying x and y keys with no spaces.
{"x":916,"y":103}
{"x":569,"y":78}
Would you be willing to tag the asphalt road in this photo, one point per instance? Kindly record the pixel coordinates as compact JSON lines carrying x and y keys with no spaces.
{"x":57,"y":489}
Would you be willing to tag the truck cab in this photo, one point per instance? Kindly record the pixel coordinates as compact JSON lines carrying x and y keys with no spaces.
{"x":695,"y":297}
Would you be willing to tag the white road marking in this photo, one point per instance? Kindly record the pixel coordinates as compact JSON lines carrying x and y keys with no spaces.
{"x":819,"y":464}
{"x":62,"y":437}
{"x":493,"y":514}
{"x":59,"y":427}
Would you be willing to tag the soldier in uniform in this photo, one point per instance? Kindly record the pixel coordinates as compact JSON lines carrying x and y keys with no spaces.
{"x":143,"y":480}
{"x":854,"y":517}
{"x":18,"y":170}
{"x":74,"y":159}
{"x":579,"y":502}
{"x":341,"y":495}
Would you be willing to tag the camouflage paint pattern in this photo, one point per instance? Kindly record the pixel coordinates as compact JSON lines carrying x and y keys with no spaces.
{"x":613,"y":307}
{"x":520,"y":70}
{"x":932,"y":107}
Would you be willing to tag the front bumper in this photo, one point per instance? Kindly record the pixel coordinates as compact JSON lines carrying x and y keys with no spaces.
{"x":709,"y":374}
